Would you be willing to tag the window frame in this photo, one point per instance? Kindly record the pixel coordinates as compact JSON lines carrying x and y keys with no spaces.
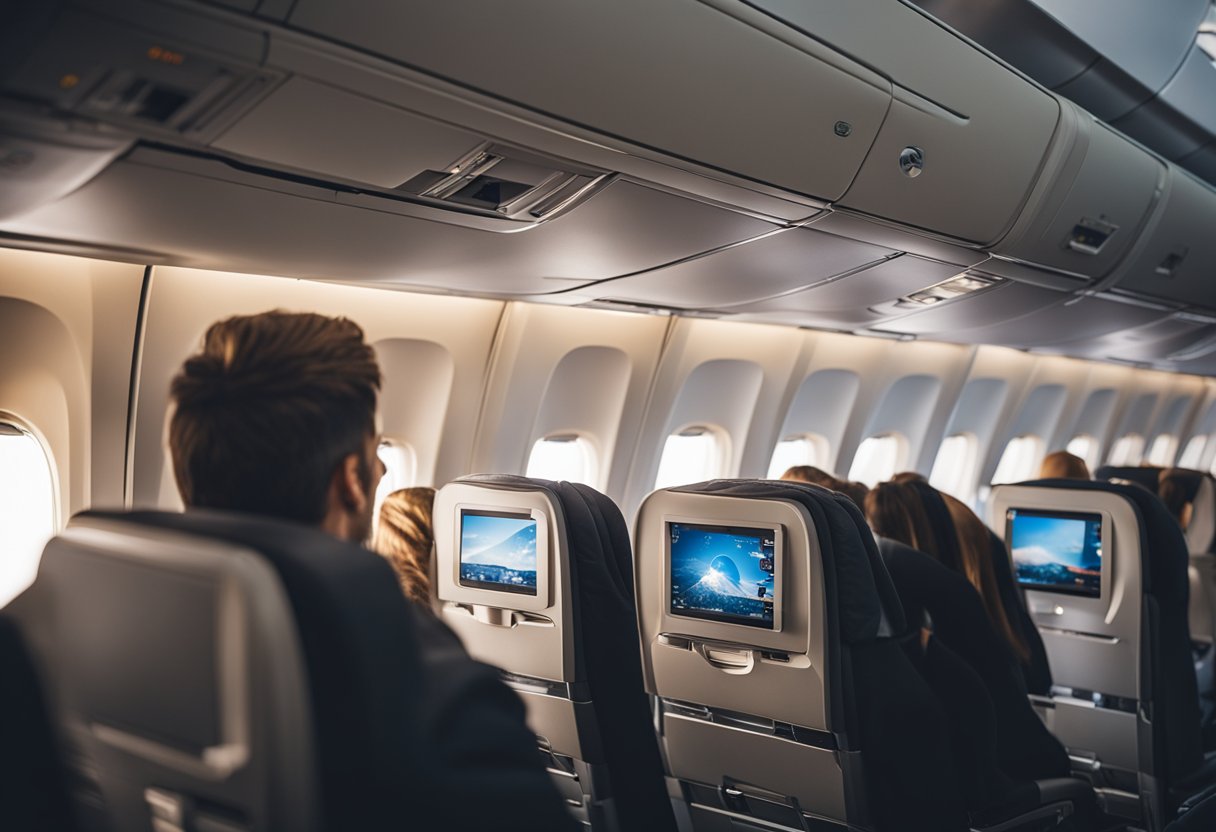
{"x":821,"y":452}
{"x":1119,"y":458}
{"x":965,"y":481}
{"x":13,"y":425}
{"x":1028,"y":468}
{"x":589,"y":451}
{"x":719,"y":458}
{"x":900,"y":462}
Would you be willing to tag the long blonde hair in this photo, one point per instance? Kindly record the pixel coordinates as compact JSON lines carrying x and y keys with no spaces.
{"x":404,"y":536}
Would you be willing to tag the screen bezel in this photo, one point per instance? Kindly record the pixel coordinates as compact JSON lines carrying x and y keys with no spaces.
{"x":491,"y":586}
{"x":499,"y":596}
{"x":1104,"y":528}
{"x":714,"y":523}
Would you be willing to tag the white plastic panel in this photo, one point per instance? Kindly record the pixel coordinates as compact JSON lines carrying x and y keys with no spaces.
{"x":764,"y":268}
{"x":608,"y":66}
{"x":1095,"y":179}
{"x":326,"y":131}
{"x":204,"y":213}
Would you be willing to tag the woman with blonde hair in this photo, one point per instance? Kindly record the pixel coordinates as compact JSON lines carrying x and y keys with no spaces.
{"x":405,"y":537}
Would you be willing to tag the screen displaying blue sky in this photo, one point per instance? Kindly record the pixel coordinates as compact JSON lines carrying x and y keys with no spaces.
{"x":1069,"y":541}
{"x":509,"y":542}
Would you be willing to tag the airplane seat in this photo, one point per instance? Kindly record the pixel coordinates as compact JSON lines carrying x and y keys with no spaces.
{"x":1025,"y":750}
{"x":220,"y":671}
{"x":33,"y":787}
{"x":1103,"y":565}
{"x":1197,"y":813}
{"x":784,"y":700}
{"x":565,"y":636}
{"x":1144,"y":476}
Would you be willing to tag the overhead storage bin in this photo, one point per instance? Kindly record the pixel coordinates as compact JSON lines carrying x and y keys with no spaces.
{"x":1091,"y":201}
{"x":1177,"y":260}
{"x":680,"y":77}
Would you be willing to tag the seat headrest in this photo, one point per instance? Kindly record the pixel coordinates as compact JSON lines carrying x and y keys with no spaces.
{"x":858,"y":586}
{"x":1164,"y":573}
{"x":1143,"y":475}
{"x":1201,"y":533}
{"x":357,"y":635}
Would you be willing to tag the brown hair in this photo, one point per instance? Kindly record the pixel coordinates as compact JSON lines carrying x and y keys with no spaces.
{"x":1178,"y":488}
{"x":268,"y":409}
{"x":855,"y":491}
{"x":896,"y":510}
{"x":975,"y":543}
{"x":1063,"y":465}
{"x":404,"y":535}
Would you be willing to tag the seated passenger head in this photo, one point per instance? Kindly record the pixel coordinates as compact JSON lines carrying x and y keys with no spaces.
{"x":894,"y":510}
{"x":1178,"y":488}
{"x":276,"y":415}
{"x":1061,"y":465}
{"x":404,"y":536}
{"x":809,"y":474}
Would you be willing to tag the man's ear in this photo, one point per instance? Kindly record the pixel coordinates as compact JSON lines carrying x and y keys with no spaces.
{"x":351,"y":489}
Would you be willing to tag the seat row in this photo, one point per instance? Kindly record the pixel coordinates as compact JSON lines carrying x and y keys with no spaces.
{"x":255,"y":674}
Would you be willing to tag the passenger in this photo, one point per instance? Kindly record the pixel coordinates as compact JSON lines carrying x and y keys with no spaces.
{"x":1178,"y":488}
{"x":404,"y":536}
{"x":1061,"y":465}
{"x":277,"y":416}
{"x":960,"y":603}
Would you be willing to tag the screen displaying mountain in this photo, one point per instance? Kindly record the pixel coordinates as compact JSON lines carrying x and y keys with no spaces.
{"x":498,"y":551}
{"x":722,"y":574}
{"x":1057,"y":552}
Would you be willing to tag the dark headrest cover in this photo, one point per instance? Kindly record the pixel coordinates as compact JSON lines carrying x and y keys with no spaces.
{"x":1140,"y":474}
{"x":358,"y":639}
{"x":608,"y":652}
{"x":852,"y":569}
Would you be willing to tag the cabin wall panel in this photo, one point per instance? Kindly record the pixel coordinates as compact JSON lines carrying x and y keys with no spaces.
{"x":184,"y":302}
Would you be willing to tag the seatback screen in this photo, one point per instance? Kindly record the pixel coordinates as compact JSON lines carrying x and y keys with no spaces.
{"x":1057,"y":551}
{"x":498,"y":551}
{"x":723,"y":573}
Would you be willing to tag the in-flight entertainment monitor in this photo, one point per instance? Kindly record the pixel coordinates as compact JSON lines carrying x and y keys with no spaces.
{"x":1056,"y":551}
{"x":498,"y":550}
{"x":725,"y":573}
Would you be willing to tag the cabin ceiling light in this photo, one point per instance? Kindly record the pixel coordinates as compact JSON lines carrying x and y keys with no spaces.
{"x":955,"y":287}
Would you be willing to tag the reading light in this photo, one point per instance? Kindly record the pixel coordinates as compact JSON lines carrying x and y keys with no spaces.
{"x":955,"y":287}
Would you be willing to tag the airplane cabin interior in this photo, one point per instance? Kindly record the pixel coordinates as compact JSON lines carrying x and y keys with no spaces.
{"x":622,"y":265}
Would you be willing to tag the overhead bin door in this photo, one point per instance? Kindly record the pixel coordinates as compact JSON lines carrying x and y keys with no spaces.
{"x":980,"y":129}
{"x":1091,"y":202}
{"x":677,"y":76}
{"x":1178,"y":261}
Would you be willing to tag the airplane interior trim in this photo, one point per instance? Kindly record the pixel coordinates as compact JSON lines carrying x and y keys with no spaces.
{"x":649,"y":284}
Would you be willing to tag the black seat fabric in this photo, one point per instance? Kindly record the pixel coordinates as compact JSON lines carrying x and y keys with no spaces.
{"x":409,"y":731}
{"x":1025,"y":749}
{"x":1169,"y":677}
{"x":33,"y":794}
{"x":1037,"y":670}
{"x":1142,"y":475}
{"x":1197,"y":814}
{"x":607,"y":652}
{"x":888,"y":711}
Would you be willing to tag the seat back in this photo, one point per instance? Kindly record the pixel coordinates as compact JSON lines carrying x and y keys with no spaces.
{"x":1104,"y":569}
{"x":537,"y":578}
{"x":1201,"y":543}
{"x":794,"y":706}
{"x":216,"y":670}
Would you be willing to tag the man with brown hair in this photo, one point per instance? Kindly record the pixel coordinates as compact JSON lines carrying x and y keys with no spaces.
{"x":277,"y":416}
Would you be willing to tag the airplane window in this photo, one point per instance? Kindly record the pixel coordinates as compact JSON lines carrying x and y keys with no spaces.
{"x":400,"y":470}
{"x":1020,"y":461}
{"x":28,"y":514}
{"x":563,"y":457}
{"x":803,"y":449}
{"x":878,"y":458}
{"x":1086,"y":447}
{"x":1128,"y":450}
{"x":1193,"y":452}
{"x":954,"y":468}
{"x":1163,"y":449}
{"x":691,"y":455}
